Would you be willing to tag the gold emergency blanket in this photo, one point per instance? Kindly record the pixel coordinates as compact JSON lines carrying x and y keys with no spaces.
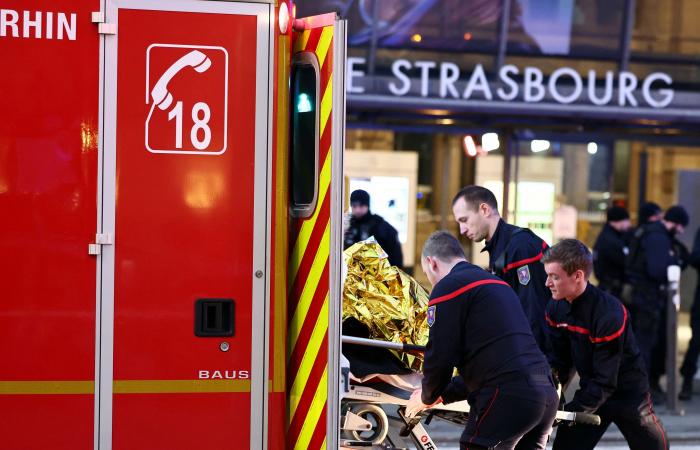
{"x":385,"y":299}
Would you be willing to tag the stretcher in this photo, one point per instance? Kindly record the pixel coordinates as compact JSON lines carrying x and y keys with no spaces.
{"x":373,"y":408}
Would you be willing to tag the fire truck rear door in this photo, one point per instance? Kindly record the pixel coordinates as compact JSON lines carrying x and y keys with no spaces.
{"x":316,"y":174}
{"x":186,"y":138}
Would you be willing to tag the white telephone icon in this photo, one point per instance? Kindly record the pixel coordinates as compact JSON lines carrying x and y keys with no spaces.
{"x":195,"y":59}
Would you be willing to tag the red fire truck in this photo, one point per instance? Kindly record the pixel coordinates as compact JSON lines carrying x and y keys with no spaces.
{"x":170,"y":191}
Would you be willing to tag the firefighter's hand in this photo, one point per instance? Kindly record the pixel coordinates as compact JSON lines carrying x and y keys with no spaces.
{"x":416,"y":405}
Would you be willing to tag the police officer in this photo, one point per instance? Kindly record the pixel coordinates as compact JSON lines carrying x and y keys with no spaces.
{"x":477,"y":326}
{"x":649,"y":212}
{"x":514,"y":252}
{"x":690,"y":361}
{"x":651,"y":252}
{"x":610,"y":251}
{"x":591,"y":334}
{"x":364,"y":224}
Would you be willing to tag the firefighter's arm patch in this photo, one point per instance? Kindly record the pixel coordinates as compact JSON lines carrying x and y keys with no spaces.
{"x":431,"y":315}
{"x":524,"y":275}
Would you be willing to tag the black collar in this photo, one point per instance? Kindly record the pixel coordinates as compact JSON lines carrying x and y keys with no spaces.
{"x":581,"y":299}
{"x":491,"y":245}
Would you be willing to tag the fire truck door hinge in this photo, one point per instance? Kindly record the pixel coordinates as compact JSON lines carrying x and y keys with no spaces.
{"x":98,"y":17}
{"x":100,"y":240}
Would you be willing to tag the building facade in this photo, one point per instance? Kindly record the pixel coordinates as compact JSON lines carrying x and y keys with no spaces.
{"x":573,"y":104}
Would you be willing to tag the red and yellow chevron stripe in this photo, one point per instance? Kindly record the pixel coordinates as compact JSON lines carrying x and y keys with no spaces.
{"x":307,"y":339}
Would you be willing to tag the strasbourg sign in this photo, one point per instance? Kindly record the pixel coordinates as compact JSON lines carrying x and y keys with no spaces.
{"x":430,"y":79}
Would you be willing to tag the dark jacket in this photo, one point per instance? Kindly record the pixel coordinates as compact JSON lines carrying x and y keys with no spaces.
{"x":386,"y":235}
{"x":694,"y":258}
{"x":514,"y":256}
{"x":651,"y":252}
{"x":592,"y":334}
{"x":694,"y":261}
{"x":477,"y":326}
{"x":609,"y":254}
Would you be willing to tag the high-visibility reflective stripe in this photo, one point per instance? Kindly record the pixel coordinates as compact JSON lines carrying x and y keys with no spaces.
{"x":308,"y":331}
{"x":310,"y":287}
{"x":310,"y":355}
{"x":46,"y":387}
{"x":324,"y":43}
{"x":124,"y":387}
{"x":312,"y":417}
{"x":326,"y":104}
{"x":279,"y":325}
{"x":179,"y":386}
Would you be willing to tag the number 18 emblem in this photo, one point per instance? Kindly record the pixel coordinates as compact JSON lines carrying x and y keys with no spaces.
{"x":186,"y":99}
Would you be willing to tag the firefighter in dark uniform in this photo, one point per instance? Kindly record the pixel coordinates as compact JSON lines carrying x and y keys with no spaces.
{"x":364,"y":224}
{"x":690,"y":361}
{"x":514,"y":252}
{"x":591,"y":334}
{"x":610,"y":251}
{"x":478,"y":327}
{"x":651,"y":251}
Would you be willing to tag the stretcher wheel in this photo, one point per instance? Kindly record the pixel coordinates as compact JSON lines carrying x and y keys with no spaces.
{"x":377,"y":417}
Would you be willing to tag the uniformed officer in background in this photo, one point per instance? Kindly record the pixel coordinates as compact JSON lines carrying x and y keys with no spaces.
{"x":651,"y":252}
{"x":364,"y":224}
{"x":610,"y":251}
{"x":514,"y":252}
{"x":690,"y":362}
{"x":590,"y":333}
{"x":477,"y":326}
{"x":649,"y":212}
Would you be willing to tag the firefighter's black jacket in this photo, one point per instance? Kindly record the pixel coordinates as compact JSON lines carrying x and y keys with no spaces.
{"x":476,"y":325}
{"x":514,"y":256}
{"x":593,"y":335}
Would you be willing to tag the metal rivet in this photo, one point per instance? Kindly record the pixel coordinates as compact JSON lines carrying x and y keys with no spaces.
{"x":259,"y":273}
{"x":224,"y":346}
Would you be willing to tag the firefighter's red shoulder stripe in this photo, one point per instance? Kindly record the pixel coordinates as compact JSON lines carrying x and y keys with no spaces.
{"x":575,"y":329}
{"x":587,"y":332}
{"x":522,"y":262}
{"x":616,"y":334}
{"x":463,"y":289}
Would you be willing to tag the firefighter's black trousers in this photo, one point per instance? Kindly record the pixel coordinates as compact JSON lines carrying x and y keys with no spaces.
{"x":517,"y":414}
{"x":634,"y":416}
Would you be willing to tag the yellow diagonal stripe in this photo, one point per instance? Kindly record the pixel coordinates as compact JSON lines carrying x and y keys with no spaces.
{"x":302,"y":40}
{"x":179,"y":386}
{"x":326,"y":104}
{"x":312,"y":417}
{"x":308,"y":226}
{"x":46,"y":387}
{"x":307,"y":362}
{"x":307,"y":294}
{"x":324,"y":43}
{"x":323,"y":446}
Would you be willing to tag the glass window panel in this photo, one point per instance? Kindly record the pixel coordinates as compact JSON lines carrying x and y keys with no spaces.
{"x":304,"y":151}
{"x":566,"y":27}
{"x":666,"y":27}
{"x":449,"y":25}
